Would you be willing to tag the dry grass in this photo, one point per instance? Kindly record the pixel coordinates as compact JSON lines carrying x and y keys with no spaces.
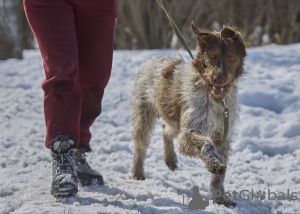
{"x":143,"y":24}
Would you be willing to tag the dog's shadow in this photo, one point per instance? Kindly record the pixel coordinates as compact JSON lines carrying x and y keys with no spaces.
{"x":118,"y":194}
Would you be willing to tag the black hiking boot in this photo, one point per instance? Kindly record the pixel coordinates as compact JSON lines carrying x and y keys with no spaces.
{"x":85,"y":174}
{"x":64,"y":181}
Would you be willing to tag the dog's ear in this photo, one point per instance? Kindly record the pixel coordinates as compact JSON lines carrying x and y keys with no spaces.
{"x":200,"y":33}
{"x":230,"y":33}
{"x":234,"y":35}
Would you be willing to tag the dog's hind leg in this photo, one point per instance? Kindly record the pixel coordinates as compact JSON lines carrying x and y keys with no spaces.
{"x":143,"y":121}
{"x":169,"y":153}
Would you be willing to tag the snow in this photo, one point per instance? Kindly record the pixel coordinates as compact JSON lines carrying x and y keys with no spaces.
{"x":265,"y":156}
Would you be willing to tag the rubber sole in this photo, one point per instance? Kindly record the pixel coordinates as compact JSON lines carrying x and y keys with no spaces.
{"x":66,"y":193}
{"x":90,"y":180}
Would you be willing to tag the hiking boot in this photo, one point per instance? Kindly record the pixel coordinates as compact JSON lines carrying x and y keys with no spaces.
{"x":64,"y":181}
{"x":85,"y":174}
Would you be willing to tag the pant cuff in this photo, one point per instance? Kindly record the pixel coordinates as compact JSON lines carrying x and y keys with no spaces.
{"x":84,"y":148}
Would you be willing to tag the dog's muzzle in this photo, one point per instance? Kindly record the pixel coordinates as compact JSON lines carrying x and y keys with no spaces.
{"x":218,"y":89}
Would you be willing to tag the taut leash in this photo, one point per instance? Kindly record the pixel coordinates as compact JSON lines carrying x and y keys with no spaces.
{"x":175,"y":29}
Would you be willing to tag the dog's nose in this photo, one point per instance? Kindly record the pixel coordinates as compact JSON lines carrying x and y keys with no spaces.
{"x":218,"y":80}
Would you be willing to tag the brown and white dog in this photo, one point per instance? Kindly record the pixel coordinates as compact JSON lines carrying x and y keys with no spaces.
{"x":188,"y":96}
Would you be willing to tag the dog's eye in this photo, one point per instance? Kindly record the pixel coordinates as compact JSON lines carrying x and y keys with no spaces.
{"x":230,"y":58}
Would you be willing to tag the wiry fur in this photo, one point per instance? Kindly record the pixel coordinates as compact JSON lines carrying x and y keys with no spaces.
{"x":181,"y":93}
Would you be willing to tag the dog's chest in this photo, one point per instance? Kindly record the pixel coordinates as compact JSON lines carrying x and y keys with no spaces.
{"x":204,"y":115}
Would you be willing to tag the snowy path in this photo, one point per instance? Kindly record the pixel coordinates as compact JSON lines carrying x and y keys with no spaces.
{"x":266,"y":149}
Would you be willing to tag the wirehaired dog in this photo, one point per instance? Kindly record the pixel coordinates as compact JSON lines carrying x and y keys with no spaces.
{"x":188,"y":96}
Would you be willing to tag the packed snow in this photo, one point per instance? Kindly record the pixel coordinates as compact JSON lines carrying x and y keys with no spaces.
{"x":265,"y":156}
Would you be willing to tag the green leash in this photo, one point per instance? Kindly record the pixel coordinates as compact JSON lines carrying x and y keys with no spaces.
{"x":226,"y":121}
{"x":175,"y":28}
{"x":183,"y":42}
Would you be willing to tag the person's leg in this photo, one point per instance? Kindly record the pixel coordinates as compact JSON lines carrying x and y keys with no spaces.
{"x":95,"y":24}
{"x":53,"y":24}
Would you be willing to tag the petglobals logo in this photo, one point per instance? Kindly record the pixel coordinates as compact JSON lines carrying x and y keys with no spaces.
{"x":251,"y":195}
{"x":196,"y":203}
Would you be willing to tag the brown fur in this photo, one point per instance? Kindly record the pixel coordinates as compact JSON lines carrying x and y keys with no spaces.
{"x":169,"y":104}
{"x":188,"y":97}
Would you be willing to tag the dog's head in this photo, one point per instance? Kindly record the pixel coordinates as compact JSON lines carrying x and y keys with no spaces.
{"x":220,"y":59}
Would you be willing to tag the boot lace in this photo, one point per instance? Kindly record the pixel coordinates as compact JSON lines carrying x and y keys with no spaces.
{"x":63,"y":163}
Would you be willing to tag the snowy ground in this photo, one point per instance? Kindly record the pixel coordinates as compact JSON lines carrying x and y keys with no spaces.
{"x":266,"y":149}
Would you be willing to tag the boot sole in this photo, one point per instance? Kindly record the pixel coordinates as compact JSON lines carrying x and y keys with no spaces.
{"x":65,"y":193}
{"x":90,"y":180}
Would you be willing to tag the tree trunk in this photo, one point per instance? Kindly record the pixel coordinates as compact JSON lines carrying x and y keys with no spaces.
{"x":15,"y":34}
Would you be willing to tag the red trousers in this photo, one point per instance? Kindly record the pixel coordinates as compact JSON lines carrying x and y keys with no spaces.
{"x":76,"y":42}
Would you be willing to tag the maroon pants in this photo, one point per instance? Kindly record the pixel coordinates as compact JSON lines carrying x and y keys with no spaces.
{"x":76,"y":42}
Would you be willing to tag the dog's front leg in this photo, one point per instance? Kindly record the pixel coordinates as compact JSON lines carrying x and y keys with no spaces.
{"x":193,"y":144}
{"x":217,"y":181}
{"x":218,"y":192}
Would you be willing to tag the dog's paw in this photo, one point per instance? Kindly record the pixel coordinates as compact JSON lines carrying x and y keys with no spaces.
{"x":137,"y":172}
{"x":171,"y":161}
{"x":140,"y":177}
{"x":172,"y":165}
{"x":216,"y":168}
{"x":226,"y":203}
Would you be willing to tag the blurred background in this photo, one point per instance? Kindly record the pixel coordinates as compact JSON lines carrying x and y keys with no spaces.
{"x":143,"y":25}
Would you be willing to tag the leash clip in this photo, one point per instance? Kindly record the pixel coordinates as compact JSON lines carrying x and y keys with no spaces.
{"x":226,"y":108}
{"x":226,"y":120}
